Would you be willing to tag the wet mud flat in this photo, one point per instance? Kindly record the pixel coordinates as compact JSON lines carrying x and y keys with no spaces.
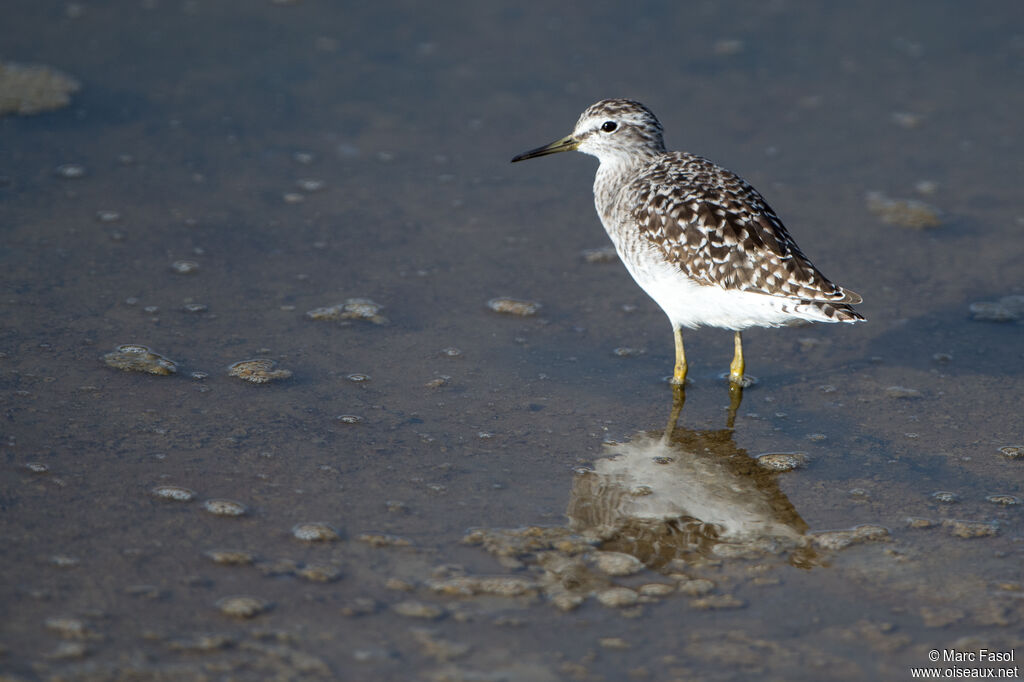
{"x":301,"y":380}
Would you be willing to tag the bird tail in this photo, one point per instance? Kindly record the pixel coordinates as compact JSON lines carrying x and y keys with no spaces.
{"x":825,"y":311}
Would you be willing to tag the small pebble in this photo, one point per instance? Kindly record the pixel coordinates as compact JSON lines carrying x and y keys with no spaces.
{"x":417,"y":609}
{"x":230,"y":557}
{"x":69,"y":627}
{"x":696,"y":587}
{"x":512,"y":306}
{"x":1003,"y":500}
{"x":718,"y":601}
{"x":970,"y":529}
{"x":315,"y":532}
{"x":617,"y":597}
{"x":258,"y":371}
{"x":202,"y":643}
{"x":174,"y":493}
{"x":1012,"y":451}
{"x":399,"y":585}
{"x":945,"y":497}
{"x":350,"y":309}
{"x":221,"y":507}
{"x":613,"y":643}
{"x":70,"y":171}
{"x":657,"y":589}
{"x":617,"y":563}
{"x":242,"y":606}
{"x":903,"y":393}
{"x":132,"y":357}
{"x":310,"y":184}
{"x":836,"y":540}
{"x":383,"y":540}
{"x":185,"y":267}
{"x":909,"y":213}
{"x":319,"y":573}
{"x":782,"y":461}
{"x":605,"y":254}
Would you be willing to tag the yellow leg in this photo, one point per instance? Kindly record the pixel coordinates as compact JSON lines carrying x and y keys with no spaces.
{"x":679,"y":375}
{"x":736,"y":368}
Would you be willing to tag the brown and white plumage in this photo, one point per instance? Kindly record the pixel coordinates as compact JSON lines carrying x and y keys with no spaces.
{"x":697,"y":238}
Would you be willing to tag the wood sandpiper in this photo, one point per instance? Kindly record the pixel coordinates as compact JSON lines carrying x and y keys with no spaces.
{"x":697,"y":238}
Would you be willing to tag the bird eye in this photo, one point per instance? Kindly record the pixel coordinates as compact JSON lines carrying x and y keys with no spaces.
{"x":609,"y":126}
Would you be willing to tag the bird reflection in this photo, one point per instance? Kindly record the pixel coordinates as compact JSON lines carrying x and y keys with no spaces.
{"x":687,"y":494}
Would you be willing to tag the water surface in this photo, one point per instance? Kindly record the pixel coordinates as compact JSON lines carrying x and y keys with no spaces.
{"x":303,"y":154}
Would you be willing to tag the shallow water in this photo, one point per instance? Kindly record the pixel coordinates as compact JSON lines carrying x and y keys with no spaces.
{"x":301,"y":155}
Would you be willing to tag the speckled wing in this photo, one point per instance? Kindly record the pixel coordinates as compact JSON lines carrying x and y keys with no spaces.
{"x":720,"y":231}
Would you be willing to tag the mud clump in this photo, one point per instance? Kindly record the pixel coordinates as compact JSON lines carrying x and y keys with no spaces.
{"x":909,"y":213}
{"x":351,"y":309}
{"x":782,"y":461}
{"x":242,"y":606}
{"x":131,"y":357}
{"x":27,"y":89}
{"x":258,"y":371}
{"x":513,"y":306}
{"x":315,"y":532}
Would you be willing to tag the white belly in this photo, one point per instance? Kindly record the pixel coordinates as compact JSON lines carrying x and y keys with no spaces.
{"x":689,"y":304}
